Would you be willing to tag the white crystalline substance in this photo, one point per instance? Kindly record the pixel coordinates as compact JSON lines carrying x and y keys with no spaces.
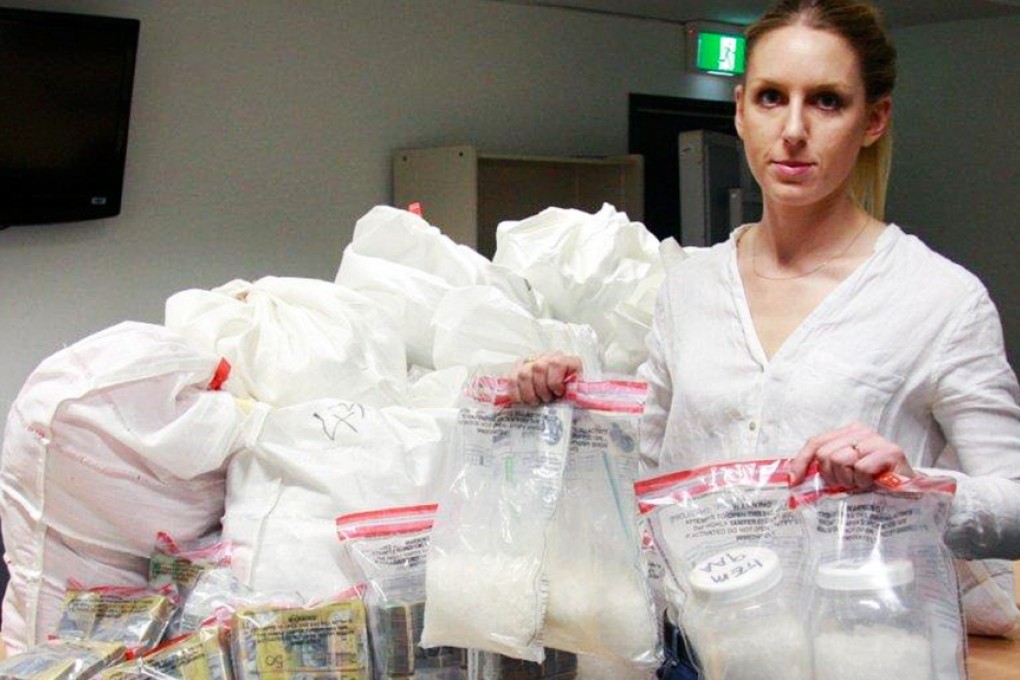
{"x":602,"y":610}
{"x":872,"y":653}
{"x":775,"y":648}
{"x":492,"y":602}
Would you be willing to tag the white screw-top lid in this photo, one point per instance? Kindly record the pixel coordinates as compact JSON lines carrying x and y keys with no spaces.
{"x":873,"y":574}
{"x":737,"y":574}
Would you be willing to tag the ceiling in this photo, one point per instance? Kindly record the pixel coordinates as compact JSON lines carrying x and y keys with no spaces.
{"x":898,"y":13}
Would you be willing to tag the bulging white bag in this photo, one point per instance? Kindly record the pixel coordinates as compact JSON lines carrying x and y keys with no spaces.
{"x":110,"y":440}
{"x":310,"y":463}
{"x":292,"y":340}
{"x":406,"y":266}
{"x":598,"y":269}
{"x":479,"y":325}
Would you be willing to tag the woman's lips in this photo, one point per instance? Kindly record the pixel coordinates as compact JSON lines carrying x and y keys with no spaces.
{"x":792,"y":169}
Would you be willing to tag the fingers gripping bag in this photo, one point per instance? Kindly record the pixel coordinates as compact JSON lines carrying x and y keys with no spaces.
{"x":388,"y":548}
{"x":600,"y":602}
{"x":486,"y":587}
{"x":884,"y":596}
{"x":733,"y":552}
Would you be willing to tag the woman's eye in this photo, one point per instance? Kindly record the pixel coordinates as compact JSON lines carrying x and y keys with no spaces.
{"x":769,"y":97}
{"x":829,"y":101}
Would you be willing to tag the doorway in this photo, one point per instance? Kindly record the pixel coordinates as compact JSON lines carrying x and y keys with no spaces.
{"x":653,"y":127}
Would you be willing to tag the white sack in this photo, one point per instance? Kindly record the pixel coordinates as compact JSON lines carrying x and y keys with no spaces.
{"x":313,"y":462}
{"x":435,"y":389}
{"x":479,"y":325}
{"x":292,"y":340}
{"x":598,"y":269}
{"x":406,"y":266}
{"x":108,"y":442}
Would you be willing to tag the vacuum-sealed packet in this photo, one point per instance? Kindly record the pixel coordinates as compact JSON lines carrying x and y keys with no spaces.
{"x":388,"y":548}
{"x":327,"y":640}
{"x":202,"y":655}
{"x":136,"y":617}
{"x":61,"y":660}
{"x":181,"y":564}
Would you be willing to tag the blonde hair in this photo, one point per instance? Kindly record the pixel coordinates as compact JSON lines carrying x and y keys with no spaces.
{"x":860,"y":24}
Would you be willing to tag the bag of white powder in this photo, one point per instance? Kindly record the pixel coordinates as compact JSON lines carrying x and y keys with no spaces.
{"x":486,"y":587}
{"x":600,"y":602}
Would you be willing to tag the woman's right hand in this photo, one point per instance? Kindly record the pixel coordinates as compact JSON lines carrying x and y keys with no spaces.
{"x":541,"y":378}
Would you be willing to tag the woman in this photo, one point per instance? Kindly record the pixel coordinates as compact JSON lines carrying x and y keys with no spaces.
{"x":822,"y":331}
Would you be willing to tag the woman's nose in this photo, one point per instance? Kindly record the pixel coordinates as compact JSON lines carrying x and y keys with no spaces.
{"x":794,"y":127}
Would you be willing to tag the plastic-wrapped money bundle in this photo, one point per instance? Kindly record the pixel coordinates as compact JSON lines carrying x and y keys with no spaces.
{"x":387,"y":548}
{"x":137,"y":617}
{"x":327,"y":640}
{"x":61,"y":660}
{"x":202,"y":655}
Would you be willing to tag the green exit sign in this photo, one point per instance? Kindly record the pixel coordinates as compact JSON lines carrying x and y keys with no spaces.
{"x":721,"y":53}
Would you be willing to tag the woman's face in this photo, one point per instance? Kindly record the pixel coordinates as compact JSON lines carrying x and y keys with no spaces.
{"x":803,"y":116}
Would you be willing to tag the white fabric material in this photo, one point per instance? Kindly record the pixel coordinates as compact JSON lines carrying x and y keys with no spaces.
{"x":597,"y":269}
{"x":292,"y":340}
{"x":435,"y":389}
{"x":109,"y":441}
{"x":479,"y":325}
{"x":405,"y":265}
{"x":310,"y":463}
{"x":909,"y":344}
{"x":989,"y":603}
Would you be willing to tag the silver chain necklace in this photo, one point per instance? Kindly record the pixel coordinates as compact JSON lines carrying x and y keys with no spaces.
{"x":815,"y":269}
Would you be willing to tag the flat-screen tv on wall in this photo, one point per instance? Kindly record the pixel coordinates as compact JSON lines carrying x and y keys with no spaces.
{"x":65,"y":103}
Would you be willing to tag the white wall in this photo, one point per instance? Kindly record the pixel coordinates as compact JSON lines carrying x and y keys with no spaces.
{"x":262,"y":129}
{"x":955,"y":178}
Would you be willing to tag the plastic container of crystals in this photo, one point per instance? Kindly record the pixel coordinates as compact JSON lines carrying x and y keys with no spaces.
{"x":741,"y":622}
{"x":867,"y":622}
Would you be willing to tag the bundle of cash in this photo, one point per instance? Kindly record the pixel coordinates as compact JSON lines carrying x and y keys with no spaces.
{"x":202,"y":655}
{"x":134,"y":616}
{"x":61,"y":660}
{"x":324,"y":642}
{"x":558,"y":665}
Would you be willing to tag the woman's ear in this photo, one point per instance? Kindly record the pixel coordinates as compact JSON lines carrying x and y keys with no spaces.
{"x":738,"y":120}
{"x":879,"y":115}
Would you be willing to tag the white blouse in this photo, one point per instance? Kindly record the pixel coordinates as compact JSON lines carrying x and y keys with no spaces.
{"x":909,"y":344}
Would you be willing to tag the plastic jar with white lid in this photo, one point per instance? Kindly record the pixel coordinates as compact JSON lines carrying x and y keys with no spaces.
{"x":742,"y":626}
{"x":867,"y":622}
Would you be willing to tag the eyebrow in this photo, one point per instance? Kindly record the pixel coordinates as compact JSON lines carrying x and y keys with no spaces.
{"x":836,"y":85}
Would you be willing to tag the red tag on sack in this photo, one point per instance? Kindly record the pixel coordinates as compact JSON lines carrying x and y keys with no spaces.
{"x":220,"y":376}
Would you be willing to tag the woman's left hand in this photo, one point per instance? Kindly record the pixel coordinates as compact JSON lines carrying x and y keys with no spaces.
{"x":852,"y":456}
